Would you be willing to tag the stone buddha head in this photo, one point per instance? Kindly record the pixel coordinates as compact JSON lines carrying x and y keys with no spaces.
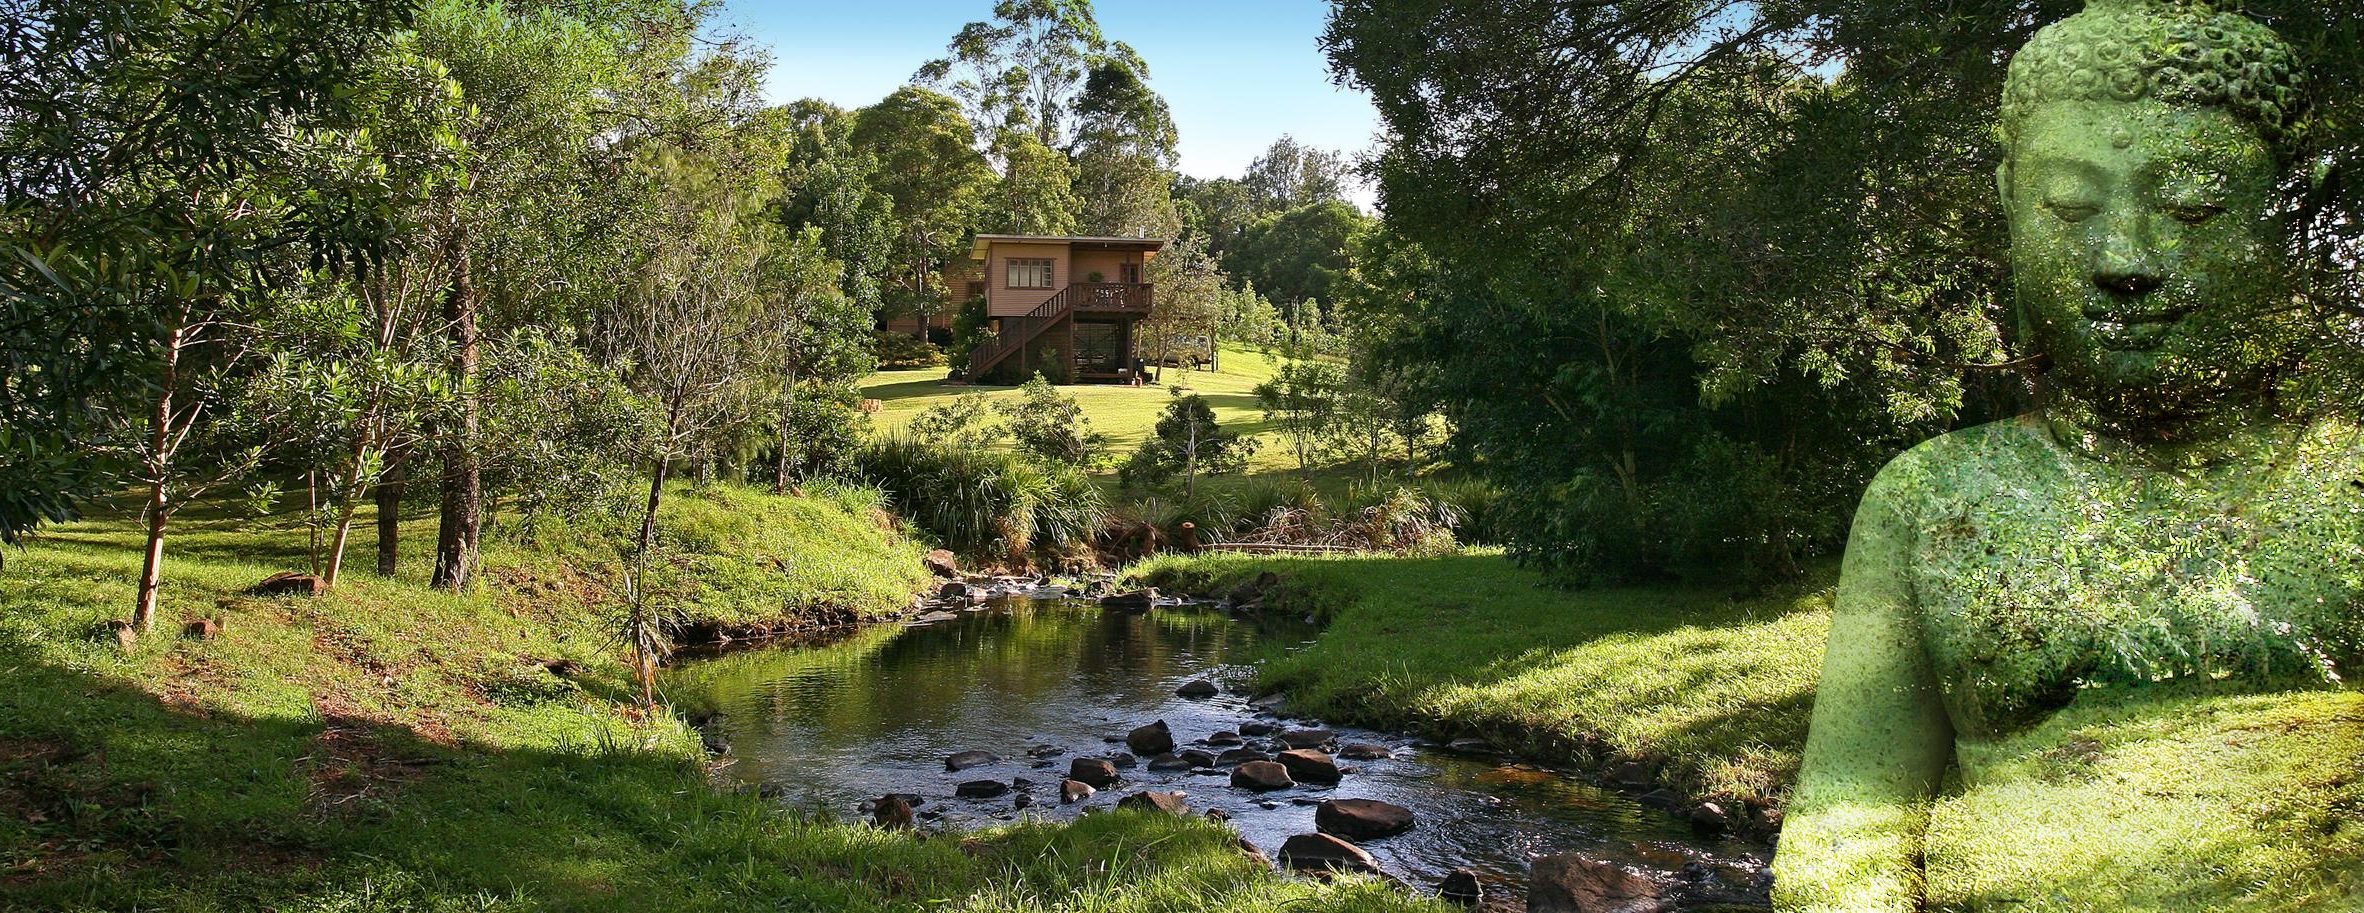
{"x":2147,"y":144}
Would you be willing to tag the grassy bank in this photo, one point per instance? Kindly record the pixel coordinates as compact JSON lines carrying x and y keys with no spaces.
{"x":1711,"y":692}
{"x":390,"y":748}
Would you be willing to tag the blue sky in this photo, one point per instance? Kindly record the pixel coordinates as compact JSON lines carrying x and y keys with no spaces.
{"x":1238,"y":73}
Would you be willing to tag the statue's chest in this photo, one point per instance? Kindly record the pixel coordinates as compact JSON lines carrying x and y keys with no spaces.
{"x":2039,"y":582}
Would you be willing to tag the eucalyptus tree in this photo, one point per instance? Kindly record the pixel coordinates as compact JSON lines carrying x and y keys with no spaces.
{"x":145,"y":216}
{"x":1124,"y":152}
{"x":1020,"y":70}
{"x":1036,"y":195}
{"x":938,"y":183}
{"x":1290,"y":174}
{"x":827,"y":185}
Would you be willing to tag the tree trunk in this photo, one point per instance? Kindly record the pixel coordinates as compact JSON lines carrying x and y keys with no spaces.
{"x":389,"y":498}
{"x":348,"y":507}
{"x":787,"y":414}
{"x":159,"y":465}
{"x":462,"y":517}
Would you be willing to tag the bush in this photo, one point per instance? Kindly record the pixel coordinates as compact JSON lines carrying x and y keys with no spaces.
{"x":986,"y":504}
{"x":902,"y":352}
{"x":1051,"y":426}
{"x":1189,"y":442}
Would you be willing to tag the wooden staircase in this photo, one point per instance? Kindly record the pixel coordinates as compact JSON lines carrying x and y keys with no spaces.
{"x":1017,"y":333}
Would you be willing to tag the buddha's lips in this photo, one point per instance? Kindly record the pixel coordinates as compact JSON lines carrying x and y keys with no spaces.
{"x":2135,"y":318}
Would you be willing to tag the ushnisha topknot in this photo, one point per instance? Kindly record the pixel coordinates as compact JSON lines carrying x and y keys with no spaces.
{"x":2185,"y":52}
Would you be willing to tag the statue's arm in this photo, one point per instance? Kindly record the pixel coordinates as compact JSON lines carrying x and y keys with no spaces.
{"x":1880,"y":741}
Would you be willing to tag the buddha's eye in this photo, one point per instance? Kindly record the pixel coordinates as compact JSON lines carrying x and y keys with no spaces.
{"x":2193,"y":212}
{"x":2072,"y":207}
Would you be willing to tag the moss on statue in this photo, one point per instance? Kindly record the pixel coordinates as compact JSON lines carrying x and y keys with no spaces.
{"x":2093,"y":658}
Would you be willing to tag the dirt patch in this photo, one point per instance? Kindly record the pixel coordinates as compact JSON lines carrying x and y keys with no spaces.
{"x":353,"y":759}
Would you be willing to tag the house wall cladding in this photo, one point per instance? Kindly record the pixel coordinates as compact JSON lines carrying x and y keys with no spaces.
{"x":1003,"y":301}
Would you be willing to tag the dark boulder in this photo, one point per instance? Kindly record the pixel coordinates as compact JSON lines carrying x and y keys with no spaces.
{"x":1261,"y":776}
{"x":1221,"y":739}
{"x":1711,"y":817}
{"x":1461,"y":889}
{"x":1257,"y":728}
{"x":1169,"y":803}
{"x":1310,"y":766}
{"x":1365,"y":751}
{"x":1124,"y":760}
{"x":1169,"y":763}
{"x":1569,"y":883}
{"x":1153,"y":739}
{"x":1322,"y":852}
{"x":1308,"y":738}
{"x":967,"y":759}
{"x":942,"y":564}
{"x":981,"y":789}
{"x":1197,"y":758}
{"x":1240,"y":756}
{"x":1135,"y":601}
{"x":1092,"y":771}
{"x":1198,"y":689}
{"x":1362,"y":819}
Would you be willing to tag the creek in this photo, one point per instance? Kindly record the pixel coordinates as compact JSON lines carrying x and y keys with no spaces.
{"x":827,"y":727}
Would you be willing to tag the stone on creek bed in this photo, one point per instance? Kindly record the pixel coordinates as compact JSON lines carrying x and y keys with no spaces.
{"x":1310,"y":766}
{"x":1262,"y":776}
{"x":1169,"y":763}
{"x":1308,"y":738}
{"x":1569,"y":883}
{"x":1365,"y":751}
{"x":1170,"y":803}
{"x":964,"y":760}
{"x":981,"y":789}
{"x":1152,"y":740}
{"x":1198,"y":689}
{"x":1240,"y":756}
{"x":1092,"y":771}
{"x":1362,"y":819}
{"x":1322,"y":852}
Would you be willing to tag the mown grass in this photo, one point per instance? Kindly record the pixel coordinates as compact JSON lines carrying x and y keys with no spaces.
{"x":390,"y":748}
{"x":1128,"y":415}
{"x":1712,"y":691}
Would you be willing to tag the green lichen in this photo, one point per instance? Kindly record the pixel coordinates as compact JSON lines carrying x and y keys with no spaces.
{"x":2186,"y":511}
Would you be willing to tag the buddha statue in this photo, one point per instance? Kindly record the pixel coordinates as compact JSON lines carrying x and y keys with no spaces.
{"x":2176,"y":530}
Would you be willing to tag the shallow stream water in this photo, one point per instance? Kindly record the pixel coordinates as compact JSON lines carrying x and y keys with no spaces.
{"x":827,"y":727}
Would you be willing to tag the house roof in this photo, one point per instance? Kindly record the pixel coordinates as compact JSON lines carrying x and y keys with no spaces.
{"x":1152,"y":245}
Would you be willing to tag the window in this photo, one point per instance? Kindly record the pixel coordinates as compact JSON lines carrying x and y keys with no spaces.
{"x":1131,"y":273}
{"x":1030,"y":273}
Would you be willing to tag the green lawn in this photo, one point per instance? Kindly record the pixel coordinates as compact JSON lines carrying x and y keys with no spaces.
{"x":1127,"y":415}
{"x":389,"y":748}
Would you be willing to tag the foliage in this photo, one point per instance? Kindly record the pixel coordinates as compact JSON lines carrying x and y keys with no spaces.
{"x":1189,"y":443}
{"x":1050,"y":425}
{"x":964,"y":422}
{"x":1291,"y":175}
{"x":903,"y":351}
{"x":135,"y":202}
{"x":1036,"y":195}
{"x":1303,"y":402}
{"x":1021,"y":70}
{"x":822,"y":431}
{"x":990,"y":504}
{"x":1298,"y":255}
{"x":1776,"y":222}
{"x":1191,"y":302}
{"x":927,"y":166}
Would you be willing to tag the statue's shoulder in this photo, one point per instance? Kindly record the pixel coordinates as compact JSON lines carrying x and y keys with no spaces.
{"x":1964,"y":463}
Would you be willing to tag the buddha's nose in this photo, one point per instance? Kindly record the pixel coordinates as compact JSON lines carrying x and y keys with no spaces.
{"x":2129,"y":261}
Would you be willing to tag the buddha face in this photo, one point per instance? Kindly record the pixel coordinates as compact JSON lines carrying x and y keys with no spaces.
{"x":2148,"y":251}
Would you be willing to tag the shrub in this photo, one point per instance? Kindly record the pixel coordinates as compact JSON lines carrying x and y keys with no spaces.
{"x":1189,"y":442}
{"x":902,"y":352}
{"x":1050,"y":425}
{"x":983,"y":503}
{"x":964,"y":422}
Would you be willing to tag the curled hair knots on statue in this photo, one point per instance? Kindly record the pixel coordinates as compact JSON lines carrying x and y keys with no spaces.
{"x":2184,"y":52}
